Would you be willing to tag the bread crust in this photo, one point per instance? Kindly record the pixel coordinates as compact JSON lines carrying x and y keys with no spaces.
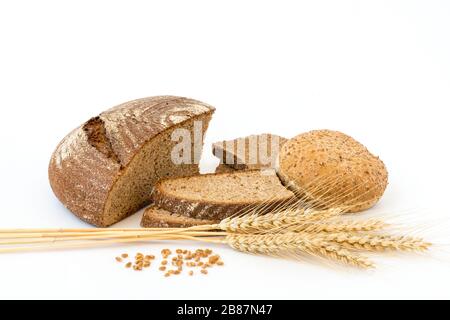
{"x":82,"y":175}
{"x":212,"y":210}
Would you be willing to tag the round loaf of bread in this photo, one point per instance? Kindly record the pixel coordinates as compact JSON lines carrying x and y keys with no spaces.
{"x":329,"y":169}
{"x":105,"y":170}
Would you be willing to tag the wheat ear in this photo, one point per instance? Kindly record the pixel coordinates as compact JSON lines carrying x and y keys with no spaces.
{"x":294,"y":243}
{"x":343,"y":226}
{"x":378,"y":243}
{"x":287,"y":220}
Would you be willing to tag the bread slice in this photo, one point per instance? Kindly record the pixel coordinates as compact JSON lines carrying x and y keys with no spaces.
{"x":217,"y":196}
{"x":155,"y":217}
{"x":249,"y":153}
{"x":104,"y":170}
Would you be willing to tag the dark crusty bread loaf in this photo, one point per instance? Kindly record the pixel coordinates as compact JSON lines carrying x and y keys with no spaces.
{"x":217,"y":196}
{"x":251,"y":152}
{"x":155,"y":217}
{"x":105,"y":169}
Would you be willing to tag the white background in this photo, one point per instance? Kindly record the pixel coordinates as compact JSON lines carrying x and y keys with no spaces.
{"x":377,"y":70}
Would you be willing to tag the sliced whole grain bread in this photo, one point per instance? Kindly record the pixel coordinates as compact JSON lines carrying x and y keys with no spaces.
{"x":248,"y":153}
{"x":218,"y":196}
{"x":155,"y":217}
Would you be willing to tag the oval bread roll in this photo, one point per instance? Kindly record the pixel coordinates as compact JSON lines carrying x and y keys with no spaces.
{"x":330,"y":169}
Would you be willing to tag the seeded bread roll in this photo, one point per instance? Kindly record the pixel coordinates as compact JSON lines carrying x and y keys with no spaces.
{"x":155,"y":217}
{"x":218,"y":196}
{"x":104,"y":170}
{"x":331,"y":169}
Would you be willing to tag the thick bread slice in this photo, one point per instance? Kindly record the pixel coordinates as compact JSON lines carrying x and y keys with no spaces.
{"x":248,"y":153}
{"x":217,"y":196}
{"x":155,"y":217}
{"x":105,"y":169}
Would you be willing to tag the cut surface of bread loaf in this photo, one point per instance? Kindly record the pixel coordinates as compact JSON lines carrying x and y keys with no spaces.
{"x":217,"y":196}
{"x":104,"y":170}
{"x":251,"y":152}
{"x":155,"y":217}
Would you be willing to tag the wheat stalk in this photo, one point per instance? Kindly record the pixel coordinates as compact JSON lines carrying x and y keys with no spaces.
{"x":287,"y":219}
{"x":291,"y":243}
{"x":344,"y":226}
{"x":289,"y":229}
{"x":380,"y":243}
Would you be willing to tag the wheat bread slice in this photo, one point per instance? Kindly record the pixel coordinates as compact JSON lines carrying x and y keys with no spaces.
{"x":155,"y":217}
{"x":218,"y":196}
{"x":251,"y":152}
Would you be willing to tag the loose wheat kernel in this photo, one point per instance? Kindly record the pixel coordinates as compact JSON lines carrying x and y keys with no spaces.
{"x":179,"y":263}
{"x":166,"y":252}
{"x":191,"y":273}
{"x":171,"y":271}
{"x":167,"y":274}
{"x":139,"y":254}
{"x":204,"y":271}
{"x":147,"y":265}
{"x":151,"y":257}
{"x":124,"y":255}
{"x":213,"y":259}
{"x":205,"y":266}
{"x":220,"y":263}
{"x":162,"y":268}
{"x":208,"y":251}
{"x":118,"y":259}
{"x":200,"y":264}
{"x":164,"y":262}
{"x":185,"y":251}
{"x":179,"y":251}
{"x":128,"y":265}
{"x":177,"y":272}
